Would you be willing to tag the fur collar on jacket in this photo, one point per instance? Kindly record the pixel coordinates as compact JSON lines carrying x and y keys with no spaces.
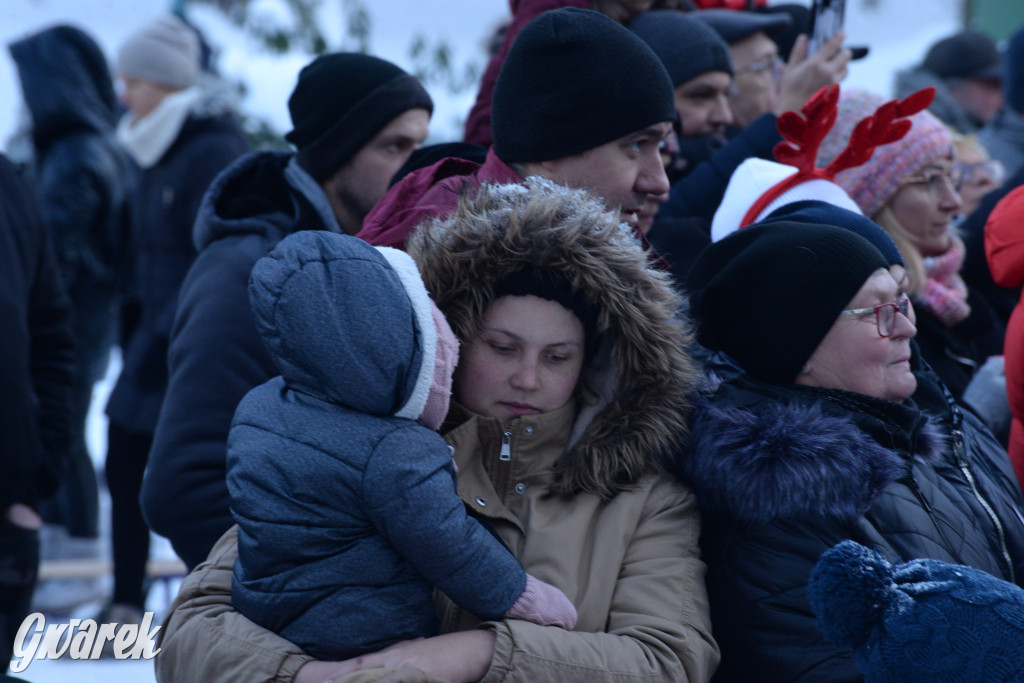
{"x":641,"y":372}
{"x":789,"y":453}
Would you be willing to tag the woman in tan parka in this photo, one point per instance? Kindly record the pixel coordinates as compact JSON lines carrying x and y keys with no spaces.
{"x":570,"y":395}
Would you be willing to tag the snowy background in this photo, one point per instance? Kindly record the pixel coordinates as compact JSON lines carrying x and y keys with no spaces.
{"x":897,"y":31}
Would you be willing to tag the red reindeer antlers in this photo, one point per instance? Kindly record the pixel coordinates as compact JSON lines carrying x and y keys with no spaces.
{"x":804,"y":131}
{"x":887,"y":124}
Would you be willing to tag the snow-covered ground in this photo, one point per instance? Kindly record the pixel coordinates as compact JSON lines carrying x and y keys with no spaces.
{"x":898,"y":32}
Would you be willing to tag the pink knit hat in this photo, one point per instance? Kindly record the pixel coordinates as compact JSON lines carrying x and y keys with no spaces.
{"x":873,"y":183}
{"x":446,"y":357}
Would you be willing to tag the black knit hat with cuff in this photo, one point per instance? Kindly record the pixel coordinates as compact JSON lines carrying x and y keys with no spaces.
{"x":574,"y":80}
{"x":768,"y":294}
{"x":341,"y":101}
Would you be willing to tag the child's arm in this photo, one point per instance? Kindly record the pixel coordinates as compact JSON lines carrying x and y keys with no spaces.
{"x":409,"y":493}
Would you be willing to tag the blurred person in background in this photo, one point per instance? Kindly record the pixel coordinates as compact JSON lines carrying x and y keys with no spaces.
{"x":966,"y":70}
{"x":84,"y":182}
{"x":1003,"y":137}
{"x":181,"y":132}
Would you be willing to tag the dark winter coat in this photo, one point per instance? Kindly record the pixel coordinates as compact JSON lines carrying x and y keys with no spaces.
{"x":83,"y":178}
{"x":784,"y":473}
{"x":36,"y":351}
{"x":345,"y":504}
{"x":83,"y":175}
{"x":216,"y":354}
{"x":164,"y":210}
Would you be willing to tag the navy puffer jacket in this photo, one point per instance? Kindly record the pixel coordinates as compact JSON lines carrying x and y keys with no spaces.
{"x":784,"y":473}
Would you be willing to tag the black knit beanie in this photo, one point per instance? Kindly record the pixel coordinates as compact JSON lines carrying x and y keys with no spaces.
{"x":341,"y":101}
{"x":768,"y":294}
{"x":686,"y":46}
{"x":574,"y":80}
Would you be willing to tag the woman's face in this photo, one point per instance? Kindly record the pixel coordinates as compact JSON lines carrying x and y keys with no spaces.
{"x":925,"y":206}
{"x":854,"y":357}
{"x":525,"y":361}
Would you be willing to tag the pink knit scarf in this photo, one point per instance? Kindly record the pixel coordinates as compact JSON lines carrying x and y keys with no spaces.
{"x":945,"y":293}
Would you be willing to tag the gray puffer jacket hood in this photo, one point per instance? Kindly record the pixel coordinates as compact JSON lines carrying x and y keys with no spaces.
{"x":369,"y":358}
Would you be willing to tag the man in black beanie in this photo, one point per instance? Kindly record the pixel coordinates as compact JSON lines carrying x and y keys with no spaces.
{"x":698,"y":62}
{"x":579,"y":100}
{"x":356,"y":119}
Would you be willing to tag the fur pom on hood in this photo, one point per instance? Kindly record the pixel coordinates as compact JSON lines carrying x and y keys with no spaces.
{"x":779,"y":460}
{"x":641,"y":372}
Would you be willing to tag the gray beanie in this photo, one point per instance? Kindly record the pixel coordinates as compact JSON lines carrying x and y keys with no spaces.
{"x":165,"y":51}
{"x":687,"y":46}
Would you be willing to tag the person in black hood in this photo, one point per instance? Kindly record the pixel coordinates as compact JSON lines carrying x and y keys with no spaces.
{"x":84,"y":181}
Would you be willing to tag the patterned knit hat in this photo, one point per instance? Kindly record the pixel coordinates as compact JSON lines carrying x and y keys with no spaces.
{"x":875,"y":182}
{"x":921,"y":621}
{"x":759,"y":187}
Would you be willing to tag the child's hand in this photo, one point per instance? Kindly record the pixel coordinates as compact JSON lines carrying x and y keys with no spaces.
{"x":543,"y":604}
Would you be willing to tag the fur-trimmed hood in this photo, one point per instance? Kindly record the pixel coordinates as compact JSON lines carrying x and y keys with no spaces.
{"x":641,"y":372}
{"x":786,"y":454}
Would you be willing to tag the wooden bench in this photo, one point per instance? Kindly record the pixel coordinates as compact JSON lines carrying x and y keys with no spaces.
{"x":157,"y":569}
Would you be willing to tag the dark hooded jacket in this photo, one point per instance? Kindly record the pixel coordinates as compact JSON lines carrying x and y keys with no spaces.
{"x":786,"y":472}
{"x":83,"y":175}
{"x":164,"y":209}
{"x":36,"y":351}
{"x":345,"y":504}
{"x":216,"y":354}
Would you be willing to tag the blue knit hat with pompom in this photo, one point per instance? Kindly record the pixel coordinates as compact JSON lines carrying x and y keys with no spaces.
{"x":922,"y":620}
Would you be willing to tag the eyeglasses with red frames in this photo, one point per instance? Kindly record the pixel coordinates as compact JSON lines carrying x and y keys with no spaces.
{"x":885,"y":314}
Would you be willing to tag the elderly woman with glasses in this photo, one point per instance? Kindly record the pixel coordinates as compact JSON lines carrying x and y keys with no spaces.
{"x":910,"y":188}
{"x":805,"y":434}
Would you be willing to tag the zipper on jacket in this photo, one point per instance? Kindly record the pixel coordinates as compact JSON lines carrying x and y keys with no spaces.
{"x":935,"y":521}
{"x":503,"y":471}
{"x":958,"y":448}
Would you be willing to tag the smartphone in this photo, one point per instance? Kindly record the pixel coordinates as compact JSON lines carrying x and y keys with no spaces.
{"x":826,"y":21}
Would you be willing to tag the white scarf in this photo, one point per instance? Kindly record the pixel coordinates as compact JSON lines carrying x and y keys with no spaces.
{"x":147,"y":139}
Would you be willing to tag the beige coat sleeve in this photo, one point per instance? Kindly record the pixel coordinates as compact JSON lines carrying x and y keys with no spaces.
{"x":205,"y":639}
{"x":658,"y":624}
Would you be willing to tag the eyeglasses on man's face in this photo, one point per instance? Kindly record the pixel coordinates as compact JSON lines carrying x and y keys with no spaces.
{"x":772,"y":66}
{"x":885,"y":315}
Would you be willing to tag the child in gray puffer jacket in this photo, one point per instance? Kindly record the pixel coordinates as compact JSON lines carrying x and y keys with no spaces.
{"x":343,"y":492}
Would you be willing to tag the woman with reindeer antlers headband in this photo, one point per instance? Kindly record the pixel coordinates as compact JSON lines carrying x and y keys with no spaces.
{"x":816,"y":427}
